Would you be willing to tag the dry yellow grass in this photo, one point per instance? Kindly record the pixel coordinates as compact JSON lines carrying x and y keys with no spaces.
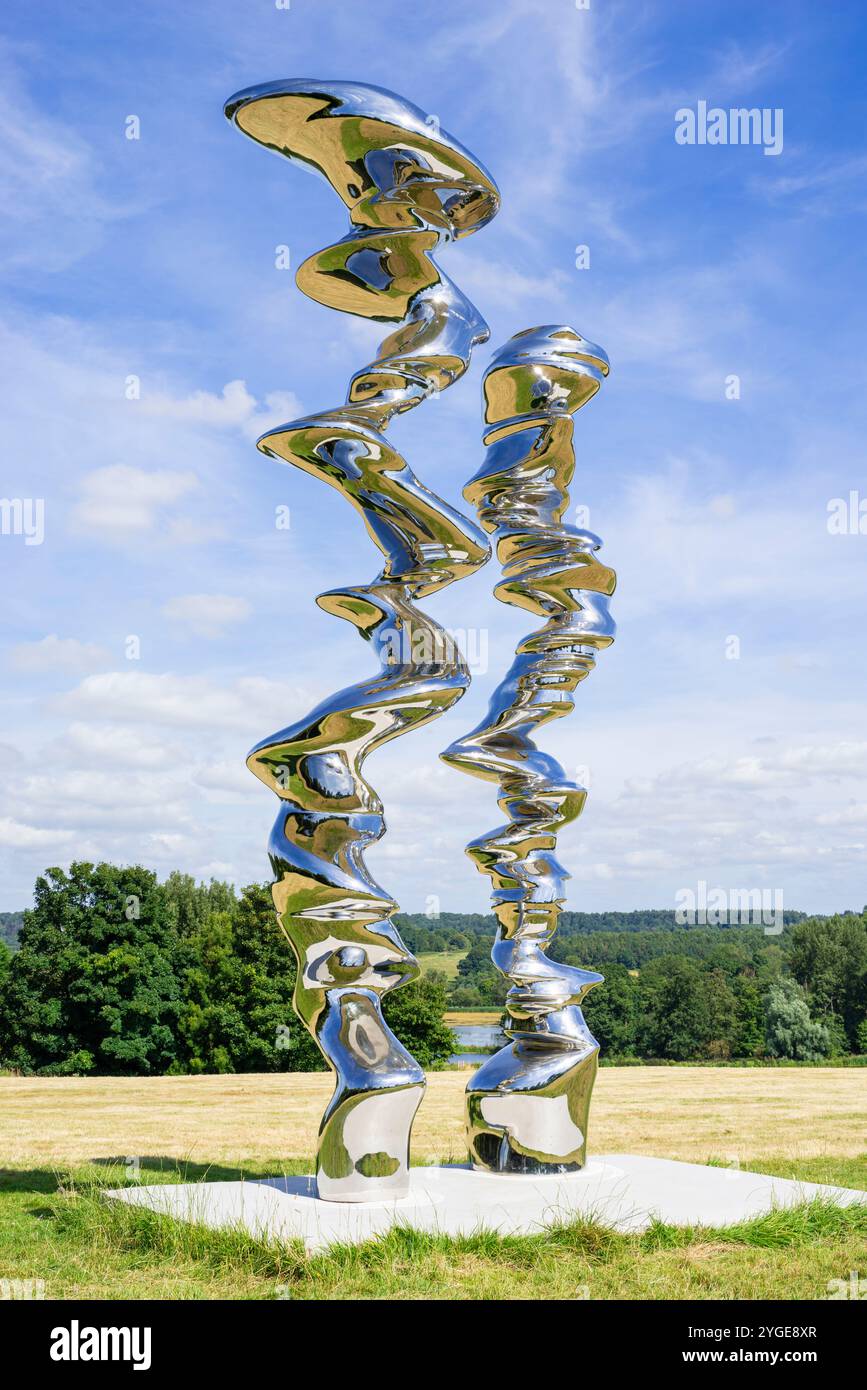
{"x":691,"y":1113}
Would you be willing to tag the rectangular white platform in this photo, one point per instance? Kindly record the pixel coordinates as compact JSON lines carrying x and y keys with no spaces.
{"x":621,"y":1191}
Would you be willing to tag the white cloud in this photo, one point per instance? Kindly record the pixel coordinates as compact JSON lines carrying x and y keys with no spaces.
{"x":95,"y":788}
{"x":16,"y":835}
{"x":54,"y":209}
{"x":648,"y":859}
{"x":217,"y":868}
{"x":234,"y":408}
{"x":208,"y":615}
{"x":789,"y":767}
{"x":706,"y":553}
{"x":825,"y":187}
{"x":849,"y":815}
{"x":114,"y":746}
{"x":662,"y":328}
{"x":10,"y":756}
{"x":585,"y":872}
{"x":487,"y":281}
{"x":229,"y":778}
{"x":251,"y":704}
{"x":164,"y":845}
{"x":55,"y":653}
{"x":121,"y":501}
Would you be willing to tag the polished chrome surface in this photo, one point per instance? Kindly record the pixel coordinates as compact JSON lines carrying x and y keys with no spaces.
{"x":409,"y":188}
{"x":527,"y":1105}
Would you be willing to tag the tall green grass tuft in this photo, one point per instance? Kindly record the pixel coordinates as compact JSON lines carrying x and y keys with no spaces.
{"x":59,"y":1227}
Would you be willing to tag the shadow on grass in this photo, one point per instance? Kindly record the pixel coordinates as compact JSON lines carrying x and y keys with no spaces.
{"x":126,"y":1171}
{"x":29,"y":1180}
{"x":163,"y":1168}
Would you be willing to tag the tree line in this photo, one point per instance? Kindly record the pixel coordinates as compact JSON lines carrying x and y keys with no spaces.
{"x":713,"y":993}
{"x":453,"y":931}
{"x":118,"y":974}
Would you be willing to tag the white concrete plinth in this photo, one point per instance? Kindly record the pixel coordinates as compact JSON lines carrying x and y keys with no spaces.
{"x":621,"y":1191}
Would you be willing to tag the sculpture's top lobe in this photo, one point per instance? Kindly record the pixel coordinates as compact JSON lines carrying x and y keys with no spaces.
{"x":540,"y":372}
{"x":392,"y":165}
{"x":410,"y":188}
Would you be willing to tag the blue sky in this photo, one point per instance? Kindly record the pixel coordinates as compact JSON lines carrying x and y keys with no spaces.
{"x":156,"y":258}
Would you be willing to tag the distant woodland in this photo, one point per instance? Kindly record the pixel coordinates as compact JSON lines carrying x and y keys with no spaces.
{"x":113,"y":972}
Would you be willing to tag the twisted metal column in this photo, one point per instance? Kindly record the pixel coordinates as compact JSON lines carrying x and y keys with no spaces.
{"x":409,"y":187}
{"x":527,"y":1105}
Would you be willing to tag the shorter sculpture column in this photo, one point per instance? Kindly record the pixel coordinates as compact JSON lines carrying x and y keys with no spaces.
{"x":527,"y":1105}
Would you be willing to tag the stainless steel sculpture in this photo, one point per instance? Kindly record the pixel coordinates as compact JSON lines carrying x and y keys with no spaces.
{"x":527,"y":1105}
{"x":409,"y":188}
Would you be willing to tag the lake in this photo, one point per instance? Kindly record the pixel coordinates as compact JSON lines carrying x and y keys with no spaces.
{"x":477,"y":1041}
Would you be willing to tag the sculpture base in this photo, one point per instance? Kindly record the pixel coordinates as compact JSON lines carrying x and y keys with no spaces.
{"x":620,"y":1191}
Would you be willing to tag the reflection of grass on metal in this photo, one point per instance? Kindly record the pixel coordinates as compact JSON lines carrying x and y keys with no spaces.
{"x":481,"y":1018}
{"x":444,"y":961}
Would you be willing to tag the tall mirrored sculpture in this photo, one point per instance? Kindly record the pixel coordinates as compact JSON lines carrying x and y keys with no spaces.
{"x":409,"y":189}
{"x":527,"y":1105}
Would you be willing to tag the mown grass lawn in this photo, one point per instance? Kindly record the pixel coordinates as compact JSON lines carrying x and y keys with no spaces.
{"x":691,"y":1113}
{"x":55,"y":1227}
{"x":59,"y":1138}
{"x":444,"y":961}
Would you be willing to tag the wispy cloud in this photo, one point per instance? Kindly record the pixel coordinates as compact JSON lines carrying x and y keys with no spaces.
{"x":207,"y":615}
{"x":53,"y":653}
{"x":57,"y":205}
{"x":233,"y":408}
{"x":122,"y":500}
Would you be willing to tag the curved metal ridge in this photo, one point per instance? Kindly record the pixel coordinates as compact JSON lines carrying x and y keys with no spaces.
{"x":409,"y":188}
{"x":527,"y":1105}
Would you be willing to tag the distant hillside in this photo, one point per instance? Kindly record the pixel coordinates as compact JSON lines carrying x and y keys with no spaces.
{"x":10,"y":925}
{"x":450,"y":931}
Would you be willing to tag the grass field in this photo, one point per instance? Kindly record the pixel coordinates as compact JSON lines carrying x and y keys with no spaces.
{"x":692,"y":1113}
{"x":58,"y":1138}
{"x":446,"y":961}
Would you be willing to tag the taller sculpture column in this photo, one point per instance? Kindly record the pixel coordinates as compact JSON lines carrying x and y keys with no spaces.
{"x":527,"y":1105}
{"x":409,"y":188}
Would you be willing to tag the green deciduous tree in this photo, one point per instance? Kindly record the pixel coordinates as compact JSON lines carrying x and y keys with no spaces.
{"x":118,"y":974}
{"x":789,"y":1029}
{"x":828,"y":957}
{"x":415,"y":1014}
{"x":611,"y":1011}
{"x":678,"y":1015}
{"x":92,"y":986}
{"x":239,"y":975}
